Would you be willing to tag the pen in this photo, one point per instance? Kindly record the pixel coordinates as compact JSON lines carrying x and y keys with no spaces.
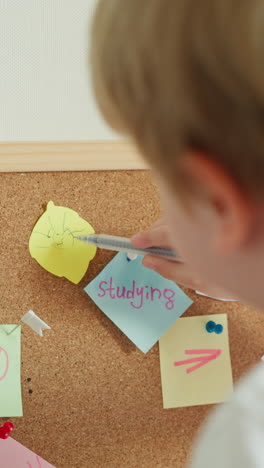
{"x":122,"y":244}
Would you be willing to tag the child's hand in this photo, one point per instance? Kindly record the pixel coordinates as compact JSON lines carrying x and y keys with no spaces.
{"x":158,"y":236}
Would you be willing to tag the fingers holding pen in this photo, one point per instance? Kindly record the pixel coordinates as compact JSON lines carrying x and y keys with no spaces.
{"x":156,"y":236}
{"x":174,"y":271}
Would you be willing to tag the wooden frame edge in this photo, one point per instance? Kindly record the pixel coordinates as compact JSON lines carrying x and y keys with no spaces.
{"x":69,"y":156}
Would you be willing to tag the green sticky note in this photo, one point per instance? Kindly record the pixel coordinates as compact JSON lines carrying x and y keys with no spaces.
{"x":10,"y":381}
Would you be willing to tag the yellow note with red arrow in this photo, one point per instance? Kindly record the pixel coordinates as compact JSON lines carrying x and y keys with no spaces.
{"x":195,"y":364}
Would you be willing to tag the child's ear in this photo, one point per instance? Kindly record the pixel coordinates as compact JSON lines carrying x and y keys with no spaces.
{"x":233,"y":208}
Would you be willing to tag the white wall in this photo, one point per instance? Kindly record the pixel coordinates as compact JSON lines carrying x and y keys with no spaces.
{"x":44,"y":84}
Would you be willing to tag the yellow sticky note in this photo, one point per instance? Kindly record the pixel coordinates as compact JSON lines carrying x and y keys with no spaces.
{"x":195,"y":365}
{"x":53,"y":244}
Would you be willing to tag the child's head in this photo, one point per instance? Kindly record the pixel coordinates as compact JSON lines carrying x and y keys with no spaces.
{"x":185,"y":80}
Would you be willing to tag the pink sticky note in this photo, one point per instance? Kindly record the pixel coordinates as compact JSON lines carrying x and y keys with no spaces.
{"x":15,"y":455}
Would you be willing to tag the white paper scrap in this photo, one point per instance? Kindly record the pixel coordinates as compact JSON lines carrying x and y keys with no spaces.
{"x":34,"y":322}
{"x":216,"y":298}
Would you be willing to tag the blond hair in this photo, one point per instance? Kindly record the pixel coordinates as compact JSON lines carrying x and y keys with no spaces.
{"x":183,"y":74}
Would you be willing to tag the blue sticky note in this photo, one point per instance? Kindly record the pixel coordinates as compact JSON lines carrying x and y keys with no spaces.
{"x":139,"y":301}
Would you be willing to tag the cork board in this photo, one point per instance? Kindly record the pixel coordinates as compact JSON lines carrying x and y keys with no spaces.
{"x":96,"y":399}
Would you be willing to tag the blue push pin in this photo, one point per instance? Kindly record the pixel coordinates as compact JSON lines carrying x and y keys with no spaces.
{"x":131,"y":256}
{"x":211,"y":327}
{"x":219,"y":328}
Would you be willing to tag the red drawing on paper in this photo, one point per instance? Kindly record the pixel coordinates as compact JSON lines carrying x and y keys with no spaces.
{"x":6,"y":364}
{"x":38,"y":460}
{"x":208,"y":355}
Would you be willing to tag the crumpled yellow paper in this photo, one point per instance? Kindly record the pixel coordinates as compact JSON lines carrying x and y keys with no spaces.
{"x":54,"y":247}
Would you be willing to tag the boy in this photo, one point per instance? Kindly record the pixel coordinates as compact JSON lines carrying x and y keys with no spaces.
{"x":185,"y":80}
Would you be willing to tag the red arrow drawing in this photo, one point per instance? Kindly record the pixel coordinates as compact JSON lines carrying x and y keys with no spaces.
{"x":202,"y":360}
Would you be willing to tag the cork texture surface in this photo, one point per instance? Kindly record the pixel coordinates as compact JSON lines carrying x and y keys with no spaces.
{"x":96,"y":400}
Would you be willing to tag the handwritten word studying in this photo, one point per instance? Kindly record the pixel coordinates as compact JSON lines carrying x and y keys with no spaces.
{"x":137,"y":294}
